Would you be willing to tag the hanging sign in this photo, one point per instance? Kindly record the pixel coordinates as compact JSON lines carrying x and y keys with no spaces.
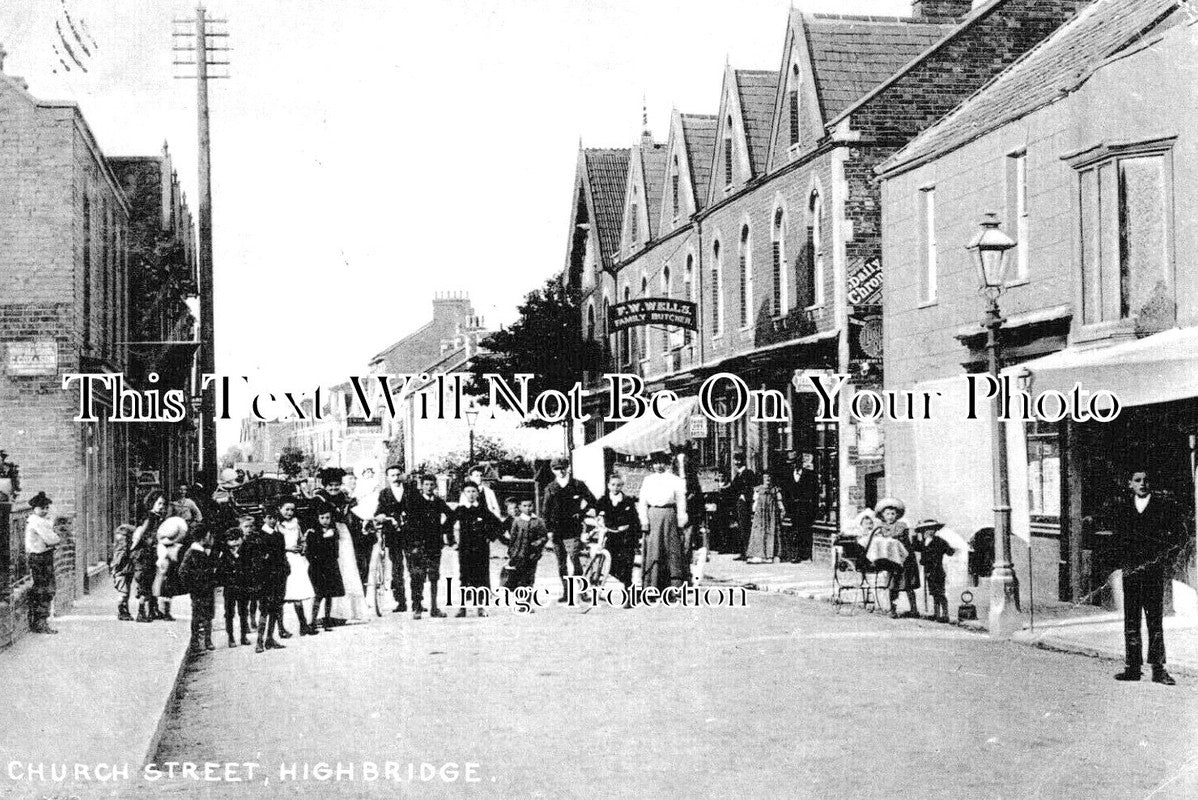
{"x":653,"y":311}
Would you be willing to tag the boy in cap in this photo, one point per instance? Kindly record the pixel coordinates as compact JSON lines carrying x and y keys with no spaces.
{"x":200,"y":575}
{"x":237,"y":577}
{"x":933,"y":549}
{"x":567,"y":501}
{"x":40,"y":541}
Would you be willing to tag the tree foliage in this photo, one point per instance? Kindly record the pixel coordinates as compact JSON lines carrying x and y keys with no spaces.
{"x":546,"y":341}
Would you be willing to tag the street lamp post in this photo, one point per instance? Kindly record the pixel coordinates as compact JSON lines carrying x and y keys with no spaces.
{"x":471,"y":418}
{"x":990,"y":248}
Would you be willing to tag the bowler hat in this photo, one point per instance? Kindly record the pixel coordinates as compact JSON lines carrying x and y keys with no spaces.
{"x":40,"y":500}
{"x":890,"y":502}
{"x":560,"y":463}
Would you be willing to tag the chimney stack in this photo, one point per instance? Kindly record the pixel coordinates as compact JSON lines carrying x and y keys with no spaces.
{"x":940,"y":10}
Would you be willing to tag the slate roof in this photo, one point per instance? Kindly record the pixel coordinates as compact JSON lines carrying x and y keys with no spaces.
{"x":757,"y":90}
{"x":850,"y":55}
{"x":654,"y":158}
{"x":1046,"y":73}
{"x":607,"y":173}
{"x":698,"y":132}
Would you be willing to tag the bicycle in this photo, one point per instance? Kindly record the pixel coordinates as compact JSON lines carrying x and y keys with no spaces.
{"x":598,"y":565}
{"x":379,"y":568}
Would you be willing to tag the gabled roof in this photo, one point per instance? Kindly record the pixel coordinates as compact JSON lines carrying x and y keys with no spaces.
{"x":851,"y":55}
{"x":1043,"y":75}
{"x":698,"y":131}
{"x":607,"y":173}
{"x":654,"y":157}
{"x":756,"y":90}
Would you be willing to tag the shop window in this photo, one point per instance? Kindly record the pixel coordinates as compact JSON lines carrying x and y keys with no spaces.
{"x":1124,"y":202}
{"x":1044,"y":471}
{"x":827,"y":467}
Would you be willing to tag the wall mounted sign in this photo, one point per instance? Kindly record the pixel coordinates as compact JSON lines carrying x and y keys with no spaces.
{"x":32,"y":357}
{"x":865,"y":282}
{"x":653,"y":311}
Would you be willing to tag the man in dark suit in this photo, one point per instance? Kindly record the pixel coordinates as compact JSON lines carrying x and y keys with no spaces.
{"x":427,"y":529}
{"x":567,"y":501}
{"x":1145,"y":534}
{"x":802,"y":500}
{"x":744,"y":483}
{"x":389,"y":514}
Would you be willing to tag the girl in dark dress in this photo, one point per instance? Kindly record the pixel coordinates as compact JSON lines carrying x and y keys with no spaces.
{"x":144,"y":548}
{"x":476,"y":528}
{"x":323,"y":569}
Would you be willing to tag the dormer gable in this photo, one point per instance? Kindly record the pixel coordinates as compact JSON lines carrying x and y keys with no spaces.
{"x":688,"y":164}
{"x":798,"y":116}
{"x":642,"y":199}
{"x":742,"y":130}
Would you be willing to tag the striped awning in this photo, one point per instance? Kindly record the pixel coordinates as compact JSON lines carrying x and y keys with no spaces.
{"x":647,"y":435}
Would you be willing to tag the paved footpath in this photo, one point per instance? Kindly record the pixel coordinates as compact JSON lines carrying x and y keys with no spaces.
{"x":1080,"y":629}
{"x":93,"y":694}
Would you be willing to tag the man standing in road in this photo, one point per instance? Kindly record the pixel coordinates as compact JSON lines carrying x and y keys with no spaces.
{"x":427,"y":525}
{"x":389,"y":514}
{"x":802,"y":499}
{"x":662,"y":507}
{"x":567,"y":501}
{"x":744,"y":484}
{"x":1146,"y":535}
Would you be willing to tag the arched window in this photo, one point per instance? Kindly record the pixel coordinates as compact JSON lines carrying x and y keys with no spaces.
{"x":717,"y":292}
{"x":591,"y":320}
{"x":746,"y":279}
{"x":674,"y":187}
{"x":627,"y":334}
{"x":781,"y":291}
{"x":608,"y":338}
{"x":813,"y":280}
{"x":728,"y":152}
{"x":792,"y":99}
{"x":644,"y":329}
{"x":688,"y":291}
{"x":665,"y":292}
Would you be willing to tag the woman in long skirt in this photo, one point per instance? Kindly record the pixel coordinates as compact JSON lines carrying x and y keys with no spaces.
{"x":323,"y":568}
{"x":299,"y":586}
{"x":353,"y":604}
{"x":766,"y":535}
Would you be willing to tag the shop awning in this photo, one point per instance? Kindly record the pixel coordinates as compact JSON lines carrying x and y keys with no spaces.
{"x":1156,"y":369}
{"x":647,"y":435}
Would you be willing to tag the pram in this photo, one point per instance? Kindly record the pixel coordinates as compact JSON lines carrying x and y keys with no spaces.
{"x":853,"y":572}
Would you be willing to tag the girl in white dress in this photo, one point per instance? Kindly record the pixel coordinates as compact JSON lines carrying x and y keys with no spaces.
{"x":299,"y":586}
{"x":352,"y":606}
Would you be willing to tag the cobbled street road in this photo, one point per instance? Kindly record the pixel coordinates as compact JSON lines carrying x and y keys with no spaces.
{"x":785,"y":698}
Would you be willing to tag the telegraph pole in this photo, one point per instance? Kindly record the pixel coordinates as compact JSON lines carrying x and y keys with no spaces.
{"x":202,"y":50}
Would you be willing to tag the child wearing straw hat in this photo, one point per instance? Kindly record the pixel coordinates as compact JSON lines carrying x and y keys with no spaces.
{"x":933,"y":549}
{"x":904,"y":578}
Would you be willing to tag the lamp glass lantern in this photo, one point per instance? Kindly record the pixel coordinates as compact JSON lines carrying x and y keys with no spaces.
{"x":990,"y":249}
{"x":471,"y":416}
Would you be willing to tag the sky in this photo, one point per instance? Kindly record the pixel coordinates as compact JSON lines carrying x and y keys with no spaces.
{"x":369,"y":153}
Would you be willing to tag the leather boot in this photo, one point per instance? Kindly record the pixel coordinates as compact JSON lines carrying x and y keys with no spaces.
{"x":166,"y":611}
{"x":141,"y":612}
{"x":122,"y":611}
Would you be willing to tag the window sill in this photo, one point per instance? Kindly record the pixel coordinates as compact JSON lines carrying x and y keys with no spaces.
{"x":815,"y":307}
{"x":1098,"y":331}
{"x":928,"y":303}
{"x":746,"y":328}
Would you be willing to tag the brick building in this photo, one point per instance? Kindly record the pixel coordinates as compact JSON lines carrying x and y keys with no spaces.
{"x":64,"y":237}
{"x":162,"y":335}
{"x":768,"y":216}
{"x":1085,"y":149}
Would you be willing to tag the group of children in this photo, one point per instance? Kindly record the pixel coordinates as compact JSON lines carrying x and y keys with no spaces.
{"x":885,"y":521}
